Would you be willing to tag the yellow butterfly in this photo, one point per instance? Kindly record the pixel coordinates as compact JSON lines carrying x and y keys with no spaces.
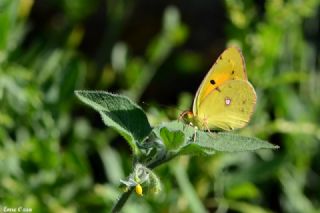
{"x":225,"y":99}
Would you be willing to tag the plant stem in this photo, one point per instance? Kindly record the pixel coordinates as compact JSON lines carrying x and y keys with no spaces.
{"x":161,"y":161}
{"x":122,"y":200}
{"x":124,"y":197}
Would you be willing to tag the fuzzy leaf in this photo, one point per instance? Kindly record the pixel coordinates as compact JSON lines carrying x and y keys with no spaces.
{"x":230,"y":142}
{"x":200,"y":142}
{"x":120,"y":113}
{"x":195,"y":149}
{"x":172,"y":139}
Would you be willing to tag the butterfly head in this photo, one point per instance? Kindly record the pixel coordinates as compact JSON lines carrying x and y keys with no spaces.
{"x":191,"y":119}
{"x":186,"y":116}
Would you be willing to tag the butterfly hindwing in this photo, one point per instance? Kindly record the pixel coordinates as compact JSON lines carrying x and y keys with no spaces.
{"x":229,"y":107}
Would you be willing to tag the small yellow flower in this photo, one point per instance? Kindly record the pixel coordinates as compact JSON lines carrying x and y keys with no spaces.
{"x":139,"y":189}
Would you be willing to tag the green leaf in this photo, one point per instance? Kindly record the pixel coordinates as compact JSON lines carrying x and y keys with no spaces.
{"x":155,"y":183}
{"x":186,"y":145}
{"x":172,"y":139}
{"x":120,"y":113}
{"x":200,"y":142}
{"x":195,"y":149}
{"x":176,"y":126}
{"x":230,"y":142}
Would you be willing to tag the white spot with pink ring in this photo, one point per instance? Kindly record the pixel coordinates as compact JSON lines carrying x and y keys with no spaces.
{"x":227,"y":101}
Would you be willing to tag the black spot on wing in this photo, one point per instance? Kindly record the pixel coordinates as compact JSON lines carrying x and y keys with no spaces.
{"x":212,"y":82}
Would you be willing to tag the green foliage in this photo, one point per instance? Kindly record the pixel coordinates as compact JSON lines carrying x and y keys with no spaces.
{"x":57,"y":155}
{"x":280,"y":62}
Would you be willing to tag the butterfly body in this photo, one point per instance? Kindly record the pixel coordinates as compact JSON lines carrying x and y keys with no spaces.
{"x":225,"y":99}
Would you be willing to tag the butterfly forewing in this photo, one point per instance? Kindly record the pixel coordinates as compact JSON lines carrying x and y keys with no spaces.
{"x":229,"y":66}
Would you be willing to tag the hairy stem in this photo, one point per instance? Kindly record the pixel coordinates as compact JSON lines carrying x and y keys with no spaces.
{"x":125,"y":195}
{"x":122,"y":200}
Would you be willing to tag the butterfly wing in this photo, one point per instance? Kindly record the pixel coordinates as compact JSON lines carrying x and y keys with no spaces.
{"x":228,"y":108}
{"x":230,"y":65}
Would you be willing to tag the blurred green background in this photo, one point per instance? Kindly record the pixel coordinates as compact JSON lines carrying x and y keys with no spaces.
{"x":57,"y":156}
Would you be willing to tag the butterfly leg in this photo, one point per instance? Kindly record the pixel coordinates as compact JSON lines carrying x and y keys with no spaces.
{"x":205,"y":124}
{"x":195,"y":131}
{"x":195,"y":134}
